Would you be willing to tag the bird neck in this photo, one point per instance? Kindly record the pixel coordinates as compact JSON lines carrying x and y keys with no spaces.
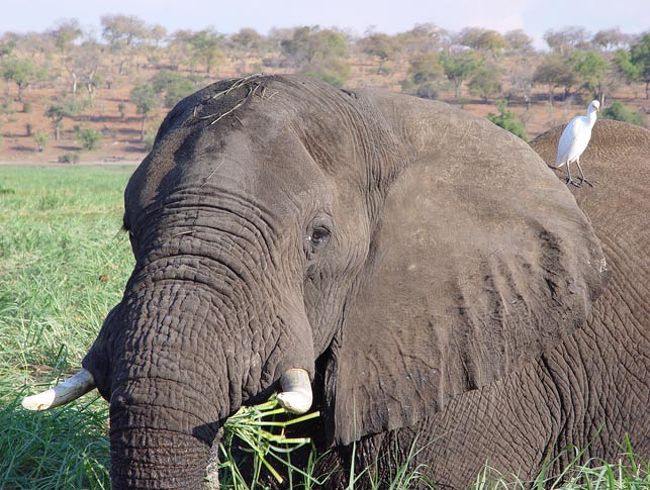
{"x":592,"y":115}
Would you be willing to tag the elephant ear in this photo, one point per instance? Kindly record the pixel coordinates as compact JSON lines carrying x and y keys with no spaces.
{"x":480,"y":262}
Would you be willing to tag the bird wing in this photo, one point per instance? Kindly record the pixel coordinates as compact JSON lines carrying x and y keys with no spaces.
{"x":567,"y":143}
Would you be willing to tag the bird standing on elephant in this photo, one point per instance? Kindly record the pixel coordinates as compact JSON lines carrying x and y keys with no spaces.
{"x":574,"y":141}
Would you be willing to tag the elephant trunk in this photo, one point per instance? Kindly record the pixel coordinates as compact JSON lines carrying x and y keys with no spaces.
{"x":143,"y":458}
{"x":154,"y":445}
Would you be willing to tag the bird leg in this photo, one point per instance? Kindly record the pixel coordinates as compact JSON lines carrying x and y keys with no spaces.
{"x":569,"y":180}
{"x":582,"y":175}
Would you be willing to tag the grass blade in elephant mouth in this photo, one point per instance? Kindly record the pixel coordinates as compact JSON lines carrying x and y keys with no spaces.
{"x":263,"y":436}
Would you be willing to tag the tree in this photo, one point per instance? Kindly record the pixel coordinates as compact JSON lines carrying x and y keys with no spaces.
{"x":640,"y":58}
{"x":22,"y":72}
{"x":65,"y":34}
{"x":310,"y":43}
{"x":318,"y":53}
{"x":243,"y":45}
{"x":380,"y":45}
{"x":625,"y":68}
{"x":247,"y":40}
{"x":485,"y":82}
{"x":157,"y":34}
{"x":459,"y":67}
{"x":146,"y":101}
{"x":206,"y":46}
{"x":123,"y":33}
{"x":609,"y":39}
{"x":83,"y":65}
{"x":57,"y":112}
{"x":554,"y":72}
{"x":566,"y":39}
{"x":7,"y":47}
{"x":423,"y":38}
{"x":508,"y":120}
{"x":482,"y":39}
{"x":591,"y":68}
{"x":519,"y":41}
{"x":179,"y":51}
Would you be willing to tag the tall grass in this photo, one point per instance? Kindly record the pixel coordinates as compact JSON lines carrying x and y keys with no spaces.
{"x":63,"y":264}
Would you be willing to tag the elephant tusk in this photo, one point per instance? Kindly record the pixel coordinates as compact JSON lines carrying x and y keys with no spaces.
{"x":296,"y":393}
{"x":70,"y":389}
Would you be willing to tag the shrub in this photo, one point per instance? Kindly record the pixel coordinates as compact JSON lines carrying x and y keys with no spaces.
{"x":427,"y":90}
{"x":620,"y":112}
{"x":69,"y":158}
{"x":41,"y":139}
{"x":121,"y":107}
{"x":89,"y":138}
{"x":508,"y":120}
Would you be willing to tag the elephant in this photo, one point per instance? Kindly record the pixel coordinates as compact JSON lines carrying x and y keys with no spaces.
{"x":592,"y":389}
{"x":416,"y":270}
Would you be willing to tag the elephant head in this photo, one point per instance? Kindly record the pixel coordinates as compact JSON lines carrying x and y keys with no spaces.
{"x":414,"y":251}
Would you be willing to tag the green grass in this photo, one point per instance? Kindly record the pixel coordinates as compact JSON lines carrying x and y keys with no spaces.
{"x":63,"y":265}
{"x":59,"y":232}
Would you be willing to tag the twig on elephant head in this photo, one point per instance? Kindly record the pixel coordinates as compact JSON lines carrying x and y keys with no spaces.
{"x":251,"y":82}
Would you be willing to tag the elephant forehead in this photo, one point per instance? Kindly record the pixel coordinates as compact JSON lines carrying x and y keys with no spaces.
{"x":275,"y":169}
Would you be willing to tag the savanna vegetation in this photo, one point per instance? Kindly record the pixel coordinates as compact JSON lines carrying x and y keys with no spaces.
{"x":63,"y":263}
{"x":68,"y":93}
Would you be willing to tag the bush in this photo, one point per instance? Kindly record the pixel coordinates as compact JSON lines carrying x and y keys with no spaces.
{"x":121,"y":107}
{"x":41,"y":139}
{"x":69,"y":158}
{"x":90,"y":139}
{"x":620,"y":112}
{"x":508,"y":121}
{"x":427,"y":90}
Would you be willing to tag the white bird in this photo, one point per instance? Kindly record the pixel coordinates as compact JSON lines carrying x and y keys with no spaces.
{"x":574,"y":141}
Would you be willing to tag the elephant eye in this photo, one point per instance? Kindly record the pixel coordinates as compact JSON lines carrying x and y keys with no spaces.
{"x":315,"y":240}
{"x":319,"y":236}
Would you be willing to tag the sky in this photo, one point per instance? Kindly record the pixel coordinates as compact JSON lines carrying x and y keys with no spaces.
{"x":534,"y":16}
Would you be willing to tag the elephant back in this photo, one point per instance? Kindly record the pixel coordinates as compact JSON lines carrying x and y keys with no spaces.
{"x":617,"y":161}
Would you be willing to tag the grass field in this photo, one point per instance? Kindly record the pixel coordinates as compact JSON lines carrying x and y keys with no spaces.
{"x":63,"y":264}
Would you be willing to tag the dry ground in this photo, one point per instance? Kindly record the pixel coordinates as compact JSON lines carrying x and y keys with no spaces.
{"x":122,"y":144}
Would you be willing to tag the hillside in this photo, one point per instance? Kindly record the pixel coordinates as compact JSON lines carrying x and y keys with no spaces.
{"x":91,"y":82}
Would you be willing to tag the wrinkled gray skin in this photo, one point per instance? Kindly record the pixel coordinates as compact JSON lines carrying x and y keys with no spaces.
{"x":593,"y":388}
{"x":425,"y":267}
